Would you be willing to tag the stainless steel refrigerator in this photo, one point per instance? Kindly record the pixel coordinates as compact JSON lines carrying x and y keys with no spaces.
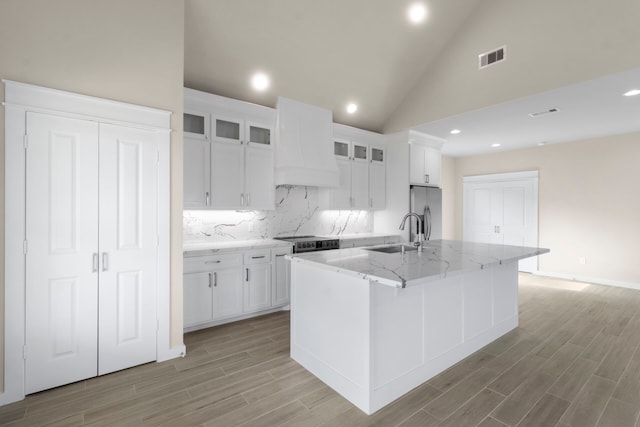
{"x":427,"y":203}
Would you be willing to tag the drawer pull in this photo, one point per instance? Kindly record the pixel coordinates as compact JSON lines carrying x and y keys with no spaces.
{"x":257,"y":257}
{"x":279,"y":255}
{"x":213,"y":262}
{"x":210,"y":279}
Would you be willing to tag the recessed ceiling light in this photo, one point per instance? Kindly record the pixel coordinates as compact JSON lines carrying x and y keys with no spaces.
{"x":632,"y":92}
{"x":260,"y":81}
{"x":540,"y":144}
{"x":455,"y":131}
{"x":352,"y":108}
{"x":417,"y":13}
{"x":495,"y":145}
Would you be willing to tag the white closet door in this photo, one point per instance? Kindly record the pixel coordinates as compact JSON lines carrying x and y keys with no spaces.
{"x":62,"y":235}
{"x":128,"y":246}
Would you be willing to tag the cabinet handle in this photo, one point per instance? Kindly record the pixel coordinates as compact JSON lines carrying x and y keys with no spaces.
{"x":241,"y":199}
{"x":426,"y":179}
{"x":210,"y":279}
{"x":280,"y":255}
{"x":257,"y":257}
{"x":207,"y":196}
{"x":215,"y":279}
{"x":94,"y":261}
{"x":247,"y":277}
{"x":105,"y":261}
{"x":213,"y":262}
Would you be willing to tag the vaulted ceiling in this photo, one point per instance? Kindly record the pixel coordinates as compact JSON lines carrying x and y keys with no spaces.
{"x":322,"y":52}
{"x":426,"y":76}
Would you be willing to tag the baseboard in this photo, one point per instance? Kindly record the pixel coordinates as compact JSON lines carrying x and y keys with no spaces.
{"x":172,"y":353}
{"x":586,"y":279}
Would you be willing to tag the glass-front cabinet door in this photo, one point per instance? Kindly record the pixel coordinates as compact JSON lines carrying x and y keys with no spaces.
{"x":259,"y":134}
{"x":227,"y":129}
{"x":196,"y":124}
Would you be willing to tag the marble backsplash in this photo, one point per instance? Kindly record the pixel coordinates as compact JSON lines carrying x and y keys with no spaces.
{"x":297,"y":213}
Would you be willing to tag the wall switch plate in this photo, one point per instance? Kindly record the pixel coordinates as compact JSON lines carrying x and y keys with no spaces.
{"x":582,"y":260}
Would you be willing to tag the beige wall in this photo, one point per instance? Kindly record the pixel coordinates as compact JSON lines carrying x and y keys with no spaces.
{"x":131,"y":51}
{"x":550,"y":44}
{"x":588,"y":204}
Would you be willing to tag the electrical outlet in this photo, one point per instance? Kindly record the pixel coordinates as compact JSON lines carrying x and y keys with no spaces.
{"x":582,"y":260}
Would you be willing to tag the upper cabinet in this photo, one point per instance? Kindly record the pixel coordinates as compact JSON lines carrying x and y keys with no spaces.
{"x":228,"y":154}
{"x":360,"y":158}
{"x":424,"y":160}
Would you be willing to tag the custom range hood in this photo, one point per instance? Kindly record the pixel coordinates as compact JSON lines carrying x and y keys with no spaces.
{"x":303,"y":148}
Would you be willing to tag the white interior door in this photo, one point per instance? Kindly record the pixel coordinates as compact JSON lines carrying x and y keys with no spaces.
{"x":128,"y":247}
{"x":62,"y":238}
{"x":504,"y":212}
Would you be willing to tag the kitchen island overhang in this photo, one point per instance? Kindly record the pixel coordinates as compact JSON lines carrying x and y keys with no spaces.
{"x":355,"y":327}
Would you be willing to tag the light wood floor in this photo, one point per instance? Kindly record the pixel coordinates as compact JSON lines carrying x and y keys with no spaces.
{"x":574,"y":361}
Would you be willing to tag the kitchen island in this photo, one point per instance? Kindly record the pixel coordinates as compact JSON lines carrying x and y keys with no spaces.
{"x":374,"y":325}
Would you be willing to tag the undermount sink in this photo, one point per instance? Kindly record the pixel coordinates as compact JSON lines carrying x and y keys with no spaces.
{"x":392,"y":249}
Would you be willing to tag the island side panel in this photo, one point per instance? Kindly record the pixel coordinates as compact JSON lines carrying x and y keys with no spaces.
{"x":330,"y":329}
{"x":437,"y":324}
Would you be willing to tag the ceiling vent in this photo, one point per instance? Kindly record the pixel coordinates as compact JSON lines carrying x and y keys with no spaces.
{"x":490,"y":58}
{"x":542,"y":113}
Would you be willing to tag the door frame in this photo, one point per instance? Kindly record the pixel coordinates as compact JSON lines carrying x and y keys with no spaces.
{"x":21,"y":98}
{"x":525,"y":176}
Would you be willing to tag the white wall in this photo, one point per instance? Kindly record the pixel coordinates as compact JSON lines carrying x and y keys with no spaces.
{"x":130,"y":51}
{"x":588,"y":204}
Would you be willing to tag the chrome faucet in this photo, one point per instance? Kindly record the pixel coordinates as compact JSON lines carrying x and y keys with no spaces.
{"x":418,"y":243}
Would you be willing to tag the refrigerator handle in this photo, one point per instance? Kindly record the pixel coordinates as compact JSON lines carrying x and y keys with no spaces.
{"x":428,"y":223}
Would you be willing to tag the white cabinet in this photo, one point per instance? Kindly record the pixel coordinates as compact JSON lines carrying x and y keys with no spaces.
{"x":425,"y":164}
{"x":227,"y":292}
{"x":196,"y":308}
{"x":228,"y":160}
{"x":197,"y":180}
{"x":241,"y":165}
{"x":257,"y":280}
{"x":377,"y":179}
{"x":212,"y":288}
{"x":362,"y":172}
{"x":280,"y":281}
{"x":230,"y":286}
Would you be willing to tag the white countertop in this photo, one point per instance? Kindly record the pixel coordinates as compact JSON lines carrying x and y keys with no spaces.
{"x":205,"y":248}
{"x":439,"y":259}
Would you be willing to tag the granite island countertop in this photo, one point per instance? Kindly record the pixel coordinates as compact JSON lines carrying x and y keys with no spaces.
{"x":439,"y":259}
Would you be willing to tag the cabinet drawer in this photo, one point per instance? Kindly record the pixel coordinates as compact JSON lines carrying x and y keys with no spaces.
{"x":257,"y":256}
{"x":211,"y":262}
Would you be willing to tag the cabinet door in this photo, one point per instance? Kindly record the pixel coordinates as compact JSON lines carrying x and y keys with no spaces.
{"x":360,"y":184}
{"x":227,"y":129}
{"x":281,"y":277}
{"x":341,"y":196}
{"x":257,"y":287}
{"x":377,"y":185}
{"x":417,"y":164}
{"x":61,"y":290}
{"x":260,"y":188}
{"x":258,"y":134}
{"x":227,"y":292}
{"x":195,"y":124}
{"x":433,"y":160}
{"x":198,"y":303}
{"x":227,"y":175}
{"x":128,"y":247}
{"x":197,"y":169}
